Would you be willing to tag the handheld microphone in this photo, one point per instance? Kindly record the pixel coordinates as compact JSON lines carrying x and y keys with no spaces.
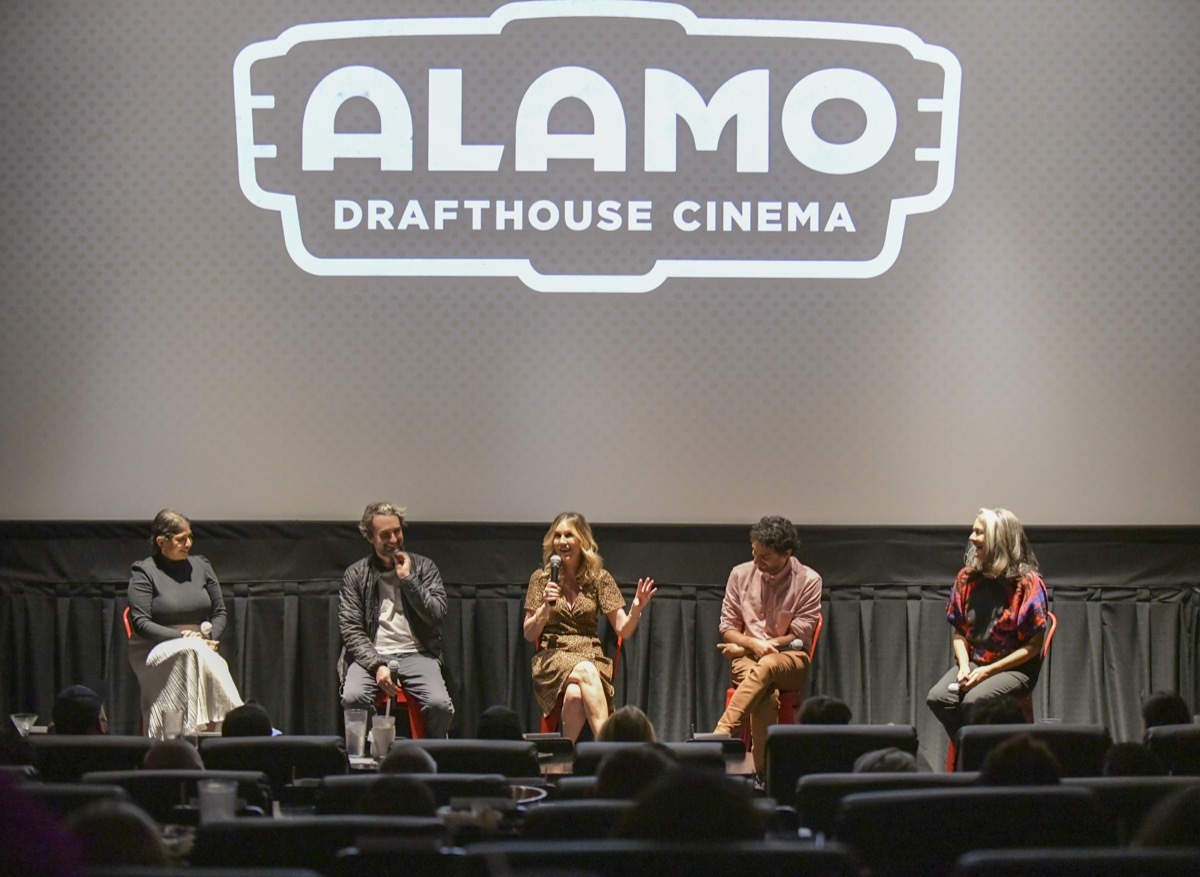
{"x":393,"y":668}
{"x":555,"y":564}
{"x":206,"y":629}
{"x":954,"y":687}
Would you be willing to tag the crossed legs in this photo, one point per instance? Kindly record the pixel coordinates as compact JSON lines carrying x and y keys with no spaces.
{"x":583,"y":701}
{"x":758,"y":682}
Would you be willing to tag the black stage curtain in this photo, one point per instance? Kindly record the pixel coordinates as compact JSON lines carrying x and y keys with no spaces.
{"x":1127,"y":600}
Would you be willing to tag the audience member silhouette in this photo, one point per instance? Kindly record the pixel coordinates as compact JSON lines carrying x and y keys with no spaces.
{"x":627,"y":772}
{"x":1020,"y":761}
{"x":1001,"y":710}
{"x":823,"y":709}
{"x":32,"y":839}
{"x":248,"y":720}
{"x":1172,"y":822}
{"x":117,"y":833}
{"x":177,"y":754}
{"x":397,"y":795}
{"x":890,"y":760}
{"x":499,"y":722}
{"x":1132,"y":760}
{"x":1164,"y":708}
{"x":686,"y":804}
{"x":407,"y":757}
{"x":79,"y":710}
{"x":628,"y":725}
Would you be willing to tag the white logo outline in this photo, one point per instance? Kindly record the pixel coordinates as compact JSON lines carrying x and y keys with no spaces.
{"x":944,"y":155}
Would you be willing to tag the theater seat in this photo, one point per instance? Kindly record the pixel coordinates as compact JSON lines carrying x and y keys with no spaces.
{"x":819,"y":796}
{"x":159,"y":792}
{"x":574,"y":820}
{"x":66,"y":798}
{"x":511,"y":758}
{"x":64,"y":758}
{"x":1178,"y":746}
{"x":925,"y":831}
{"x":1080,"y":749}
{"x":1116,"y":862}
{"x":300,"y":842}
{"x":794,"y":751}
{"x":706,"y":755}
{"x":1126,"y":800}
{"x":283,"y":759}
{"x":341,"y":794}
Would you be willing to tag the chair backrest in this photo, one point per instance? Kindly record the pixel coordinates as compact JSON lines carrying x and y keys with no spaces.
{"x":578,"y":820}
{"x":819,"y":796}
{"x":619,"y":858}
{"x":283,"y":759}
{"x":300,"y":842}
{"x":1076,"y":862}
{"x":925,"y":831}
{"x":1051,"y":627}
{"x":159,"y":792}
{"x":511,"y":758}
{"x":385,"y":856}
{"x":341,"y":794}
{"x":1178,"y":746}
{"x":702,"y":755}
{"x":1126,"y":800}
{"x":794,"y":751}
{"x":64,"y":758}
{"x":574,"y":788}
{"x":1080,"y":749}
{"x":66,"y":798}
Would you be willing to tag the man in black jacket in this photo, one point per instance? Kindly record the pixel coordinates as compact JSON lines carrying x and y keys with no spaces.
{"x":390,"y":609}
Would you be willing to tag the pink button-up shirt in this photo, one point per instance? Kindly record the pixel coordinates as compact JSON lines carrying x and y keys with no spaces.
{"x":767,"y":609}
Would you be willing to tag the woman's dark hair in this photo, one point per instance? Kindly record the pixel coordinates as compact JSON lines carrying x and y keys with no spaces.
{"x":167,"y":523}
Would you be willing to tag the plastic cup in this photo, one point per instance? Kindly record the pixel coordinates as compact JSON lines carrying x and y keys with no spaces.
{"x":23,"y":721}
{"x":172,"y":724}
{"x":383,"y":734}
{"x":218,"y":800}
{"x":356,"y":732}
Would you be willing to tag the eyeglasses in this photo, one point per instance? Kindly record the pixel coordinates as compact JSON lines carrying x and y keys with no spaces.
{"x":182,"y":538}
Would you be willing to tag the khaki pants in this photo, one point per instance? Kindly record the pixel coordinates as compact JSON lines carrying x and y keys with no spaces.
{"x":758,"y":682}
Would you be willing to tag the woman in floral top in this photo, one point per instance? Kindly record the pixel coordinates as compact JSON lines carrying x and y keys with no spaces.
{"x":998,"y":611}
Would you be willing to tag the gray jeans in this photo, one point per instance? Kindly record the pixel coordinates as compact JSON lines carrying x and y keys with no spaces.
{"x":950,"y":707}
{"x":421,"y":677}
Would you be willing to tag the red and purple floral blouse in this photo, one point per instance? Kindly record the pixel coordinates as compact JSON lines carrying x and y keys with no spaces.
{"x":996,"y":616}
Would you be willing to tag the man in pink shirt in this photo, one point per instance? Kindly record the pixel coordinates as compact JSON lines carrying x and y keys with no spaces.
{"x":768,"y":617}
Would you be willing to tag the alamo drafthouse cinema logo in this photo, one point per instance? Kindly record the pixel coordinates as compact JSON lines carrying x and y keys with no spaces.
{"x":596,"y":145}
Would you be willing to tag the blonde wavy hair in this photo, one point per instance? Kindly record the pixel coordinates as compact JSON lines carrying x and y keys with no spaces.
{"x":592,"y":563}
{"x":1006,"y":547}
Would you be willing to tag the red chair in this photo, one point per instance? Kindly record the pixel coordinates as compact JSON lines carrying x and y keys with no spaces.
{"x":128,"y":636}
{"x":551,"y":721}
{"x":1025,"y":700}
{"x":789,"y":701}
{"x":416,"y":721}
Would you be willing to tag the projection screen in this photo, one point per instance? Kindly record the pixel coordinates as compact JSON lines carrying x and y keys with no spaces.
{"x":852,"y":262}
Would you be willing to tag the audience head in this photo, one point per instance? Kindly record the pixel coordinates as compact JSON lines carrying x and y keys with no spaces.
{"x":627,"y":725}
{"x":117,"y":833}
{"x":998,"y":546}
{"x":248,"y":720}
{"x":407,"y":757}
{"x":1172,"y":822}
{"x":79,"y":710}
{"x":32,"y":838}
{"x":499,"y":722}
{"x":177,"y":754}
{"x":1020,"y":761}
{"x":1133,"y":760}
{"x":996,"y":711}
{"x":693,"y":805}
{"x":890,"y":760}
{"x":628,"y":771}
{"x":1165,"y":708}
{"x":396,"y":795}
{"x":822,"y":709}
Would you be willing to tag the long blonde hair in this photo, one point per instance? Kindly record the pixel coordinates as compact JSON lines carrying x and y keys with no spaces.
{"x":1008,"y":555}
{"x":591,"y":563}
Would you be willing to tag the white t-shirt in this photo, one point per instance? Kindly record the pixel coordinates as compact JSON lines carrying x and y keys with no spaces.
{"x":394,"y":636}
